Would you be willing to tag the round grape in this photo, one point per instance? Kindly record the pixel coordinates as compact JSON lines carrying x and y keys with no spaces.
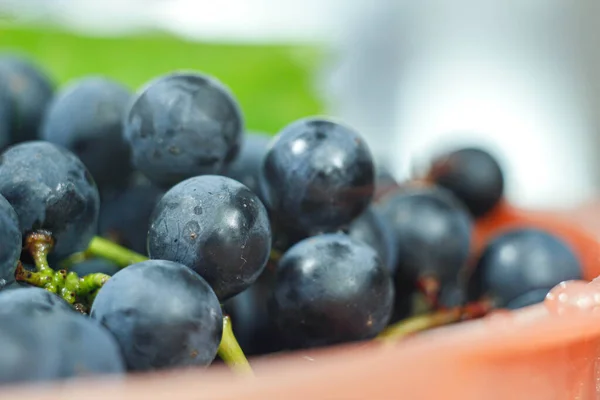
{"x":330,"y":289}
{"x":10,"y":237}
{"x":473,"y":175}
{"x":317,"y":176}
{"x":86,"y":117}
{"x":6,"y":116}
{"x":86,"y":347}
{"x":50,"y":346}
{"x":371,"y":228}
{"x":530,"y":298}
{"x":217,"y":227}
{"x":50,"y":189}
{"x":30,"y":90}
{"x":247,"y":165}
{"x":521,"y":261}
{"x":29,"y":301}
{"x":432,"y":231}
{"x":181,"y":125}
{"x":163,"y":315}
{"x":125,"y":217}
{"x":27,"y":355}
{"x":252,"y":324}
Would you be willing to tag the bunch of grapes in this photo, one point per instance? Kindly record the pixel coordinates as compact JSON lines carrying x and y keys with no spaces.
{"x":150,"y":230}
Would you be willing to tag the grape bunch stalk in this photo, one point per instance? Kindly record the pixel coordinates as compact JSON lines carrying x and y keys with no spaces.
{"x":79,"y":291}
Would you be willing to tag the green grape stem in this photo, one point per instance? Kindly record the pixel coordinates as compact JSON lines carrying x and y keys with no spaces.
{"x":40,"y":244}
{"x":69,"y":286}
{"x":104,"y":248}
{"x":231,"y":352}
{"x":39,"y":279}
{"x":434,"y":319}
{"x":275,"y":256}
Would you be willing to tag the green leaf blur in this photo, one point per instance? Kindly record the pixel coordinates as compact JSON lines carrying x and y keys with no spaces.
{"x":273,"y":83}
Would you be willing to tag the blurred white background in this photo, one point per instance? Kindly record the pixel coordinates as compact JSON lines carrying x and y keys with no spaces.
{"x":519,"y":77}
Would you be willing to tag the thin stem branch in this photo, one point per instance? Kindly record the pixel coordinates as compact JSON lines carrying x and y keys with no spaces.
{"x":100,"y":247}
{"x":231,"y":352}
{"x":435,"y":319}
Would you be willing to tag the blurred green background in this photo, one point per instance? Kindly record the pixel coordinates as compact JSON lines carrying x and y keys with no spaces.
{"x":273,"y":83}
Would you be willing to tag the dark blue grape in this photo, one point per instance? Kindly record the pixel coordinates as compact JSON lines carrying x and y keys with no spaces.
{"x":217,"y":227}
{"x":371,"y":228}
{"x":181,"y":125}
{"x":521,"y":261}
{"x":14,"y":285}
{"x":453,"y":294}
{"x":30,"y":301}
{"x":10,"y":239}
{"x":50,"y":188}
{"x":473,"y":175}
{"x":95,"y":265}
{"x":125,"y":217}
{"x":433,"y":233}
{"x":6,"y":116}
{"x":51,"y":346}
{"x":331,"y":289}
{"x":27,"y":355}
{"x":163,"y":315}
{"x":82,"y":346}
{"x":530,"y":298}
{"x":252,"y":325}
{"x":317,"y":176}
{"x":86,"y":347}
{"x":30,"y":91}
{"x":404,"y":299}
{"x":247,"y":165}
{"x":86,"y":117}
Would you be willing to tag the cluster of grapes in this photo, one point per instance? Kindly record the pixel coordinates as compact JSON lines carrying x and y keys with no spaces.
{"x":133,"y":225}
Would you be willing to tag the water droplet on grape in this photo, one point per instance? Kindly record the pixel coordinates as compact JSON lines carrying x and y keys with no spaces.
{"x":573,"y":297}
